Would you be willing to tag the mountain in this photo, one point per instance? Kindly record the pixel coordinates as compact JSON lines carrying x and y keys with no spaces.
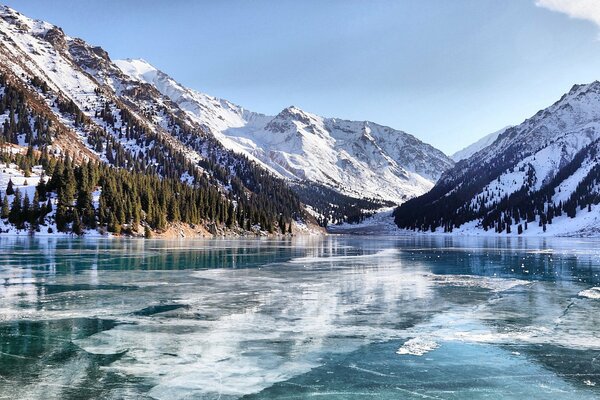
{"x":478,"y":145}
{"x":62,"y":100}
{"x":65,"y":99}
{"x":359,"y":159}
{"x":540,"y":177}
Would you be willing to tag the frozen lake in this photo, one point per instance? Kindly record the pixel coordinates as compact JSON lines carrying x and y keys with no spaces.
{"x":334,"y":317}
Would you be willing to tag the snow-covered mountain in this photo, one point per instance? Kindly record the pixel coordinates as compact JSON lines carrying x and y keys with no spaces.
{"x":544,"y":171}
{"x":359,"y":159}
{"x":478,"y":145}
{"x":131,"y":115}
{"x":67,"y":96}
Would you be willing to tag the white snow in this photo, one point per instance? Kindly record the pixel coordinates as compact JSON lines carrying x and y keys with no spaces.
{"x":361,"y":159}
{"x":478,"y":145}
{"x":417,"y":347}
{"x":380,"y":223}
{"x":593,"y":293}
{"x":26,"y":186}
{"x":542,"y":146}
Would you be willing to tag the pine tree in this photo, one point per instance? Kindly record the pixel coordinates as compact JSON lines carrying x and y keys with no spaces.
{"x":41,"y":189}
{"x":68,"y":185}
{"x":77,"y":227}
{"x":26,"y":209}
{"x":9,"y":188}
{"x":62,"y":218}
{"x":34,"y":216}
{"x":4,"y":213}
{"x":230,"y":216}
{"x":173,"y":210}
{"x":14,"y":216}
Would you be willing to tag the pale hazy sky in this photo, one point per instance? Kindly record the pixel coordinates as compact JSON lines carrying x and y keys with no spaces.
{"x":448,"y":72}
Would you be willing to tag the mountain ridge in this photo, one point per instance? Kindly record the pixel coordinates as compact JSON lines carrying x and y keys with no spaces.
{"x":478,"y":145}
{"x":294,"y":136}
{"x":68,"y":98}
{"x":514,"y":183}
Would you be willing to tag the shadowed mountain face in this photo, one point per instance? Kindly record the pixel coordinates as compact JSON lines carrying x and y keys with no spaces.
{"x":540,"y":177}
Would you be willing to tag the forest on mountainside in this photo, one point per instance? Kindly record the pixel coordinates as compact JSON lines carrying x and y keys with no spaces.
{"x":153,"y":187}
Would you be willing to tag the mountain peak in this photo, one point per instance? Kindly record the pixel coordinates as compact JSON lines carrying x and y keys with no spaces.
{"x":284,"y":121}
{"x":293,"y":108}
{"x":293,"y":112}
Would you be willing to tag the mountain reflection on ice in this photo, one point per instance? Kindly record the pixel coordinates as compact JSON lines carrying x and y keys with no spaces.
{"x":341,"y":317}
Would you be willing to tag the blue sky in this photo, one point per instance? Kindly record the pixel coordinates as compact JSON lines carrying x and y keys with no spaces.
{"x":448,"y":72}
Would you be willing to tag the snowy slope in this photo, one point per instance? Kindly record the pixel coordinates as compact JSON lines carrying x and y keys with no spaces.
{"x":85,"y":75}
{"x":360,"y":159}
{"x":87,"y":107}
{"x":26,"y":185}
{"x":478,"y":145}
{"x":544,"y":168}
{"x":130,"y":115}
{"x":38,"y":49}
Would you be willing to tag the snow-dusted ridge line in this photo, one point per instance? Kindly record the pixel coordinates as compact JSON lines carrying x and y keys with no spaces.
{"x":531,"y":173}
{"x":40,"y":49}
{"x":478,"y":145}
{"x":357,"y":158}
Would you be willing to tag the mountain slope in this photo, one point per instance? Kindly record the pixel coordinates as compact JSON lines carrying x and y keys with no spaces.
{"x":478,"y":145}
{"x":62,"y":96}
{"x":539,"y":174}
{"x":129,"y":115}
{"x":358,"y":159}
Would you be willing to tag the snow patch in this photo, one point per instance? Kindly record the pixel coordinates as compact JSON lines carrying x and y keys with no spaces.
{"x":417,"y":347}
{"x":593,"y":293}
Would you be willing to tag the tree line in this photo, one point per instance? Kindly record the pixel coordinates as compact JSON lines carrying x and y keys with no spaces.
{"x":125,"y":200}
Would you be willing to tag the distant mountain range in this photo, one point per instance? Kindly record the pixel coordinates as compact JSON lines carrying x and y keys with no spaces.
{"x":358,"y":159}
{"x":60,"y":96}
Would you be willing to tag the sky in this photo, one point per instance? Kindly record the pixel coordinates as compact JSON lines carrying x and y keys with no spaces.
{"x":448,"y":72}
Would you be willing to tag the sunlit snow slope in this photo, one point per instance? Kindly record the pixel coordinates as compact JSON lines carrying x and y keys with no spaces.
{"x":357,"y":158}
{"x":478,"y":145}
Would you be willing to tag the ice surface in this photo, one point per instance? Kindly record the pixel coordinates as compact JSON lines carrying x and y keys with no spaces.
{"x":276,"y":311}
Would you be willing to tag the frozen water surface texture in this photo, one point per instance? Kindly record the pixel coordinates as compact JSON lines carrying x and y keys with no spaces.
{"x":336,"y":317}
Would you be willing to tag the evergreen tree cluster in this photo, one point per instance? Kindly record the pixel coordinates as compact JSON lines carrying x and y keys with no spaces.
{"x":335,"y":207}
{"x":127,"y":200}
{"x":33,"y":128}
{"x":248,"y":184}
